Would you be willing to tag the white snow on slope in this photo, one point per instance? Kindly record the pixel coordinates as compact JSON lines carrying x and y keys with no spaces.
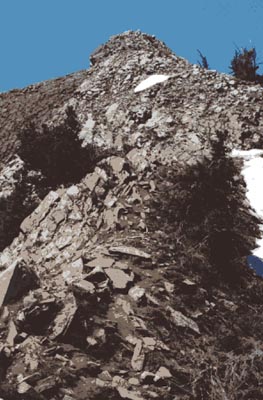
{"x":152,"y":80}
{"x":247,"y":154}
{"x":252,"y":172}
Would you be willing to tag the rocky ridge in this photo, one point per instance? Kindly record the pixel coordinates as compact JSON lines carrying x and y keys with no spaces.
{"x":94,"y":303}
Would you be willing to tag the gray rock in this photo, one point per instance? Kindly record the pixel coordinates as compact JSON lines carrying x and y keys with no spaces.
{"x":162,"y":374}
{"x":138,"y":357}
{"x":73,"y":271}
{"x":147,"y":377}
{"x":131,"y":251}
{"x":129,"y":394}
{"x":12,"y":334}
{"x":65,"y":317}
{"x":84,"y":287}
{"x":101,"y":261}
{"x":137,"y":293}
{"x":46,"y":384}
{"x":179,"y":319}
{"x":118,"y":278}
{"x":23,"y":388}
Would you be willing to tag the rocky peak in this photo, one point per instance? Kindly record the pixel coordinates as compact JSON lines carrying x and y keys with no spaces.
{"x":105,"y":291}
{"x":130,"y":41}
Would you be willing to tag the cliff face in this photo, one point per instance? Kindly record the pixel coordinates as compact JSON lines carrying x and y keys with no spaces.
{"x":98,"y":297}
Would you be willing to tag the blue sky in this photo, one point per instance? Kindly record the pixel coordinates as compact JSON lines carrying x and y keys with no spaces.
{"x":43,"y":39}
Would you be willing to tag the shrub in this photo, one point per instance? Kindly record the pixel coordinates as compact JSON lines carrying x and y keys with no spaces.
{"x":204,"y":215}
{"x":244,"y":65}
{"x":234,"y":377}
{"x":56,"y":151}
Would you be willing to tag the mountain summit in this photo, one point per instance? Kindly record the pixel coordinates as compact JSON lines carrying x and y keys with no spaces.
{"x":126,"y":220}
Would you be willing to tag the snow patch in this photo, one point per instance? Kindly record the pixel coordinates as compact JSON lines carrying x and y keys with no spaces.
{"x":247,"y":154}
{"x":152,"y":80}
{"x":252,"y":172}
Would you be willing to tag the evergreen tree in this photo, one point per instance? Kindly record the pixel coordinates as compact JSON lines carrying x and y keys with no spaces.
{"x":244,"y":65}
{"x":57,"y":151}
{"x":203,"y":213}
{"x":203,"y":60}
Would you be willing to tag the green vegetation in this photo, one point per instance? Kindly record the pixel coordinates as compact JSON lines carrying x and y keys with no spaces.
{"x":203,"y":60}
{"x":204,"y":216}
{"x":56,"y":151}
{"x":244,"y":65}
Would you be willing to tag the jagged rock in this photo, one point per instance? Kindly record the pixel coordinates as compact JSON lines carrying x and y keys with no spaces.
{"x":103,"y":262}
{"x":38,"y":312}
{"x":12,"y":189}
{"x":91,"y":181}
{"x":117,"y":164}
{"x":169,"y":287}
{"x":73,"y":271}
{"x":23,"y":388}
{"x":131,"y":251}
{"x":152,"y":299}
{"x":121,"y":265}
{"x":119,"y":279}
{"x":189,"y":286}
{"x":138,"y":159}
{"x":65,"y":317}
{"x":229,"y":305}
{"x":179,"y":319}
{"x":12,"y":334}
{"x":110,"y":201}
{"x":98,"y":339}
{"x":39,"y":213}
{"x":31,"y":348}
{"x":73,"y":191}
{"x":63,"y":241}
{"x":4,"y":315}
{"x":129,"y":394}
{"x":147,"y":377}
{"x":15,"y":281}
{"x":81,"y":363}
{"x":84,"y":287}
{"x":21,"y":337}
{"x":105,"y":376}
{"x":134,"y":381}
{"x":101,"y":383}
{"x":187,"y":282}
{"x":149,"y":343}
{"x":58,"y":216}
{"x":38,"y":296}
{"x":10,"y":175}
{"x":162,"y":374}
{"x":137,"y":293}
{"x":138,"y":357}
{"x":97,"y":275}
{"x":46,"y":384}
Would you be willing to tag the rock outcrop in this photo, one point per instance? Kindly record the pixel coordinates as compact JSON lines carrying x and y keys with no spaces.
{"x":95,"y":301}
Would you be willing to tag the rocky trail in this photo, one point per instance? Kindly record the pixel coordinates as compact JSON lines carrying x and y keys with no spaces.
{"x":96,"y":301}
